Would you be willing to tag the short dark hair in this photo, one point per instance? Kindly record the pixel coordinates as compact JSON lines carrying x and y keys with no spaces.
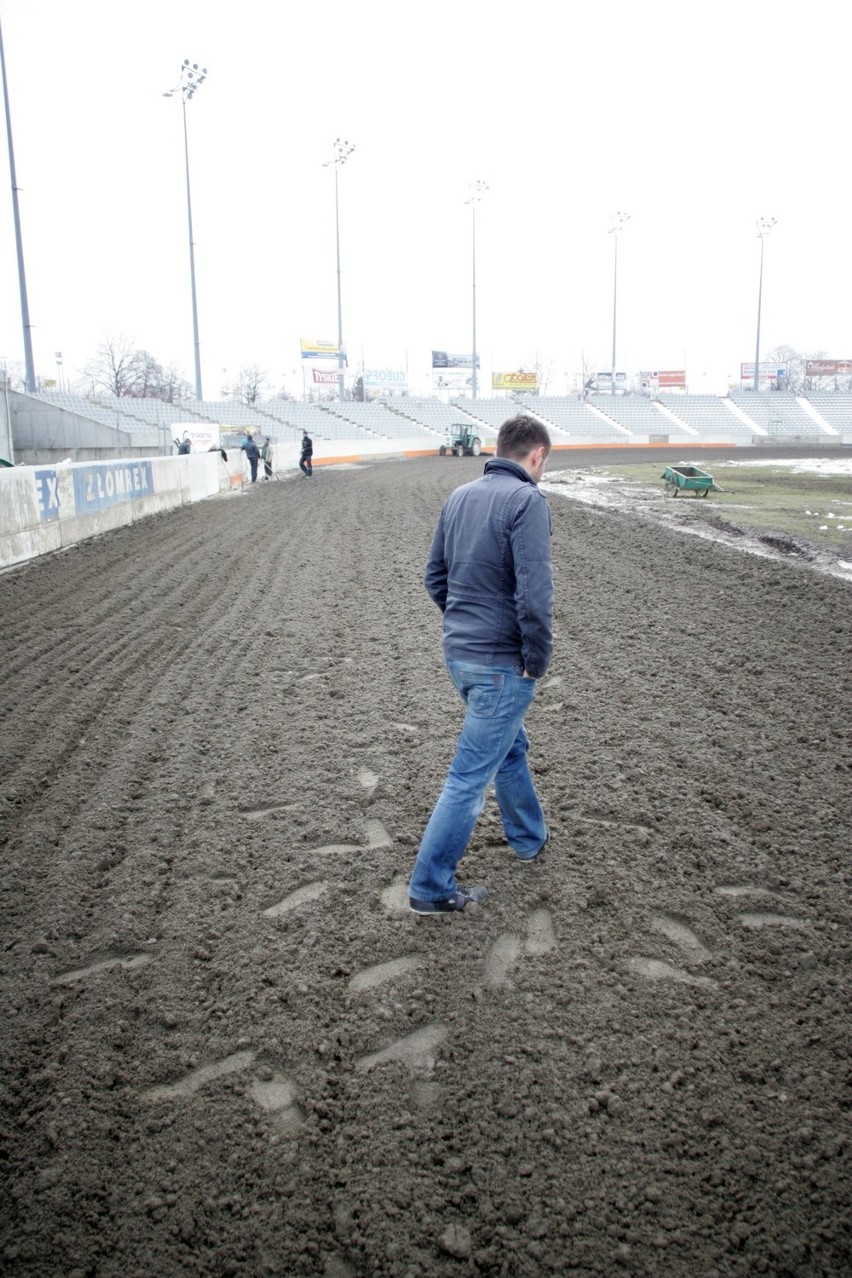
{"x":520,"y":435}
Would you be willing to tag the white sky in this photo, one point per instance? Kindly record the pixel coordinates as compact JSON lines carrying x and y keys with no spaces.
{"x":695,"y":119}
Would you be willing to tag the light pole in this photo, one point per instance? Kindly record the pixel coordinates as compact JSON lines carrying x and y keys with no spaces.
{"x":191,"y":79}
{"x":29,"y":374}
{"x":764,"y":226}
{"x":477,"y":190}
{"x":618,"y":220}
{"x":342,"y":152}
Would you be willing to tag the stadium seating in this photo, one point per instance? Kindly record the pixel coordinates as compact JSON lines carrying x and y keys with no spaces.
{"x":574,"y":419}
{"x":707,"y":416}
{"x":423,"y":422}
{"x":778,"y":412}
{"x":834,"y":408}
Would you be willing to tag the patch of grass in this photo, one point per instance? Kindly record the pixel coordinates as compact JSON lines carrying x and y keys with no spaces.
{"x":768,"y":498}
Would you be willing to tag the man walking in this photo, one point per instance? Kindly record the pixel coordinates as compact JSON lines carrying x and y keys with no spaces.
{"x":306,"y":465}
{"x":490,"y":573}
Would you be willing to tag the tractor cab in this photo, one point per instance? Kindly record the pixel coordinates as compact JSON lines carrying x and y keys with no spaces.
{"x":461,"y":441}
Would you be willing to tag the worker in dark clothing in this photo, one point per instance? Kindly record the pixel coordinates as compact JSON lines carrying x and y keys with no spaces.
{"x":305,"y":462}
{"x":252,"y":452}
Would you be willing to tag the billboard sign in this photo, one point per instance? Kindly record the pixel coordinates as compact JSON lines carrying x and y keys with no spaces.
{"x":828,"y":367}
{"x":324,"y":377}
{"x":515,"y":381}
{"x":441,"y":359}
{"x":768,"y":376}
{"x":203,"y":439}
{"x":663,"y":379}
{"x":604,"y":380}
{"x":315,"y":348}
{"x":386,"y":378}
{"x":452,"y":378}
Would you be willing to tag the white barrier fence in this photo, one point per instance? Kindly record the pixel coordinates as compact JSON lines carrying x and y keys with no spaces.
{"x":45,"y":508}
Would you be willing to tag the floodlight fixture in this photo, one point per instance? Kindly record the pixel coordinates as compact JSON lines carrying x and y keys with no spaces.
{"x":764,"y":226}
{"x":617,"y":221}
{"x":341,"y":151}
{"x":477,"y":190}
{"x":191,"y":79}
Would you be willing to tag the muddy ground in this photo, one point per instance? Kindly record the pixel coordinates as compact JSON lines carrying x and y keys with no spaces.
{"x":228,"y":1047}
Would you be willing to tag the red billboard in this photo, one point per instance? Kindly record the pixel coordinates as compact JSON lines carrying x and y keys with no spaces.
{"x":827,"y":367}
{"x":664,"y":379}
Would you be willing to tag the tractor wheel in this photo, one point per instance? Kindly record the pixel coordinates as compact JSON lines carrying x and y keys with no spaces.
{"x":442,"y":451}
{"x":476,"y":446}
{"x":459,"y":450}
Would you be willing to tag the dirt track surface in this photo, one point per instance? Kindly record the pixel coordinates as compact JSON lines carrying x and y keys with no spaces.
{"x":230,"y":1050}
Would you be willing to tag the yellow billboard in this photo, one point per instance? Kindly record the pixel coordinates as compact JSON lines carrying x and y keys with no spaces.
{"x":515,"y":381}
{"x":315,"y":348}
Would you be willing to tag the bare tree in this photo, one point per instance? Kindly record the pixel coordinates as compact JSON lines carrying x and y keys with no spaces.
{"x":543,"y":369}
{"x":797,"y":377}
{"x":251,"y":384}
{"x":113,"y":367}
{"x":125,"y":371}
{"x":17,"y":379}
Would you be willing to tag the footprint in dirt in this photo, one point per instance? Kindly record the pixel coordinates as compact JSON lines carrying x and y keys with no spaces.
{"x":127,"y":962}
{"x":509,"y":949}
{"x":270,"y":1088}
{"x":694,"y":950}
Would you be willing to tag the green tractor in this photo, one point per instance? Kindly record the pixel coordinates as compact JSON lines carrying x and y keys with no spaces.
{"x":461,"y":441}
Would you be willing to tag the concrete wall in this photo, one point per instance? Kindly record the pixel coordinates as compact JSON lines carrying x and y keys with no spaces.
{"x":44,"y":508}
{"x":7,"y":449}
{"x":49,"y":506}
{"x":44,"y":433}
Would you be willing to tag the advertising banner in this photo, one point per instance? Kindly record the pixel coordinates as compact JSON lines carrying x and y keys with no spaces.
{"x":203,"y":439}
{"x":604,"y":380}
{"x":515,"y":381}
{"x":386,"y":378}
{"x":324,"y":377}
{"x":315,"y":348}
{"x":47,"y":494}
{"x":827,"y":367}
{"x":107,"y":483}
{"x":441,"y":359}
{"x":452,"y":378}
{"x":768,"y":375}
{"x":665,"y":379}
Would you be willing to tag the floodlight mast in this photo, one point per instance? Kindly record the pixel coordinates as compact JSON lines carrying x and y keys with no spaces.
{"x":342,"y":151}
{"x":764,"y":226}
{"x":29,"y":373}
{"x":477,"y":190}
{"x":617,"y":222}
{"x":191,"y":79}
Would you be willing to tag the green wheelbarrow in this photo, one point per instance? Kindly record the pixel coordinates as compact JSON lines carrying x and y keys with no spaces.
{"x":688,"y":479}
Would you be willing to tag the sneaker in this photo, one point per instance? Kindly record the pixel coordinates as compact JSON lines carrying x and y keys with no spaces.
{"x":461,"y":897}
{"x":531,"y":860}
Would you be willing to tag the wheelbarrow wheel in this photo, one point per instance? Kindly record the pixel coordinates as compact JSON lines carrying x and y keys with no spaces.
{"x":703,"y":492}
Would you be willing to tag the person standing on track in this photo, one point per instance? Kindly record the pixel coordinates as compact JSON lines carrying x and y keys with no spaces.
{"x":306,"y":465}
{"x":252,"y":452}
{"x":266,"y":454}
{"x":490,"y":573}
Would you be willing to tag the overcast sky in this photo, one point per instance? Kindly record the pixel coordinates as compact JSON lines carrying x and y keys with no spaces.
{"x":697,"y":120}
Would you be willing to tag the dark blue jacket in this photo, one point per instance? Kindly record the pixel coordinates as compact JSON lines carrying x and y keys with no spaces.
{"x":490,"y":573}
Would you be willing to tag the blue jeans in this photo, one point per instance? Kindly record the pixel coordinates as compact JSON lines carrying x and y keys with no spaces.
{"x":492,"y":747}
